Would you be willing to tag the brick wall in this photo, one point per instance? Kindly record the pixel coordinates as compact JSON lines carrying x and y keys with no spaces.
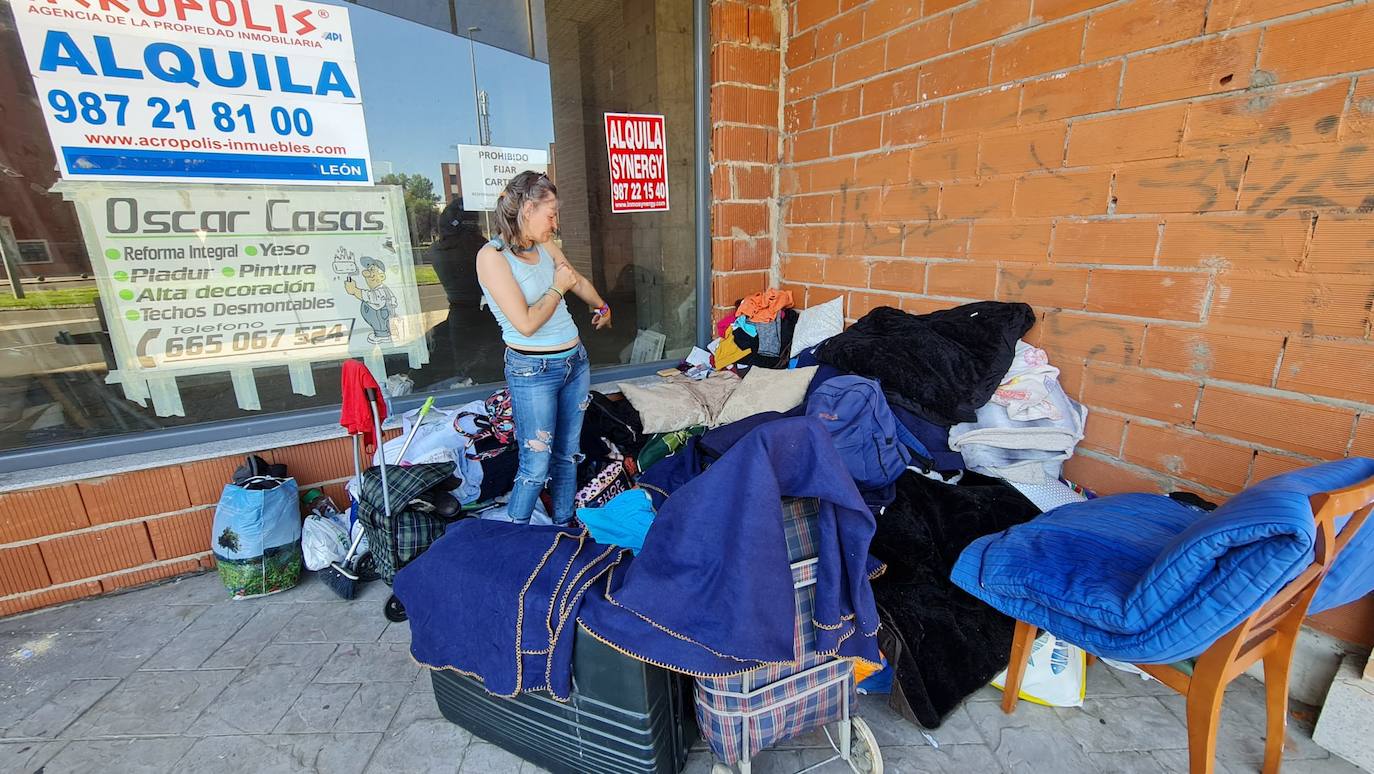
{"x":92,"y":537}
{"x":1181,"y":188}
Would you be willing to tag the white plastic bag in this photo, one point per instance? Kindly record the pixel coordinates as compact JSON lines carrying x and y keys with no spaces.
{"x":1056,"y":673}
{"x":323,"y":540}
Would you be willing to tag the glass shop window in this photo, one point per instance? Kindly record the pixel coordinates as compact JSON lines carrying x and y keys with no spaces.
{"x":205,"y":207}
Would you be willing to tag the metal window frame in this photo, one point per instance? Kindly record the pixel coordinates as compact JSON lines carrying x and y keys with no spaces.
{"x":209,"y":432}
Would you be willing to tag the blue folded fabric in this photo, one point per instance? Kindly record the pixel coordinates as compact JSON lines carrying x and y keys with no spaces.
{"x":1142,"y":578}
{"x":624,"y":521}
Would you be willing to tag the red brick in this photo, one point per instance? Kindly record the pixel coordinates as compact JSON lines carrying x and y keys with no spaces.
{"x":845,"y":270}
{"x":147,"y":575}
{"x":1068,"y":336}
{"x":808,"y":146}
{"x":1339,"y":177}
{"x":1109,"y":477}
{"x":818,"y":208}
{"x":860,"y":304}
{"x":860,"y":62}
{"x":911,"y":125}
{"x":956,"y":73}
{"x":887,"y":15}
{"x":183,"y":534}
{"x":801,"y":268}
{"x":1042,"y":285}
{"x":1294,"y":115}
{"x":137,"y":493}
{"x":883,"y":239}
{"x":1075,"y":93}
{"x":753,"y":254}
{"x":986,"y":20}
{"x":811,"y":79}
{"x":1228,"y":355}
{"x":1025,"y":241}
{"x":816,"y":296}
{"x":915,"y":202}
{"x":857,"y":206}
{"x":1043,"y":50}
{"x":727,"y":289}
{"x":734,"y":63}
{"x":722,"y":254}
{"x":945,"y":161}
{"x":995,"y":109}
{"x":937,"y":239}
{"x":88,"y":554}
{"x":1139,"y":393}
{"x":1063,"y":193}
{"x":32,"y":513}
{"x":839,"y":105}
{"x":1290,"y":424}
{"x":1267,"y":465}
{"x":916,"y":43}
{"x":936,"y":6}
{"x":1359,"y":118}
{"x":1363,"y":444}
{"x":206,"y":479}
{"x":753,"y":182}
{"x":1335,"y":368}
{"x":763,"y":27}
{"x":1224,"y":14}
{"x":730,"y":219}
{"x":1103,"y":432}
{"x":41,"y":599}
{"x":889,"y":92}
{"x":801,"y":49}
{"x":1184,"y":185}
{"x":901,"y":276}
{"x":882,"y":169}
{"x":1158,"y":294}
{"x":1134,"y":136}
{"x":1206,"y":67}
{"x":964,"y":280}
{"x":809,"y":13}
{"x":984,"y":199}
{"x":858,"y":136}
{"x":729,"y":21}
{"x":923,"y":305}
{"x":1324,"y":44}
{"x":839,"y":33}
{"x":1105,"y":241}
{"x":1022,"y":150}
{"x":314,"y":463}
{"x":1141,"y":24}
{"x":1319,"y":304}
{"x":1268,"y":244}
{"x":1049,"y":10}
{"x":21,"y":569}
{"x":1190,"y":456}
{"x":744,"y":143}
{"x":1342,"y":244}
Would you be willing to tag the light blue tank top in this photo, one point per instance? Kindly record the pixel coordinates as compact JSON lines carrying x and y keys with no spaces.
{"x":534,"y":281}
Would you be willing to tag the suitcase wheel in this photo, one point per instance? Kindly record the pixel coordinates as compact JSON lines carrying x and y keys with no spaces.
{"x":864,"y":755}
{"x":394,"y":610}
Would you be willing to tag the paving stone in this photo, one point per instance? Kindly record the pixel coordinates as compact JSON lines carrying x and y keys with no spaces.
{"x":1124,"y":723}
{"x":1131,"y":762}
{"x":27,"y":757}
{"x":281,"y":754}
{"x":203,"y":589}
{"x":259,"y":697}
{"x":152,"y":703}
{"x":1105,"y":681}
{"x":372,"y":707}
{"x":64,"y":707}
{"x":1177,"y":761}
{"x":397,"y":632}
{"x":127,"y":756}
{"x":332,"y":622}
{"x":240,"y":649}
{"x":386,"y":662}
{"x":1240,"y":736}
{"x":986,"y":693}
{"x":947,"y":759}
{"x":309,"y":590}
{"x":198,"y":641}
{"x":485,"y":758}
{"x":1033,"y":740}
{"x":317,"y":709}
{"x":421,"y":746}
{"x":416,"y":707}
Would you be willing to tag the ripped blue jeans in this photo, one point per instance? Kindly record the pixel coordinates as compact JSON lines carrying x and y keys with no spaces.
{"x":549,"y":398}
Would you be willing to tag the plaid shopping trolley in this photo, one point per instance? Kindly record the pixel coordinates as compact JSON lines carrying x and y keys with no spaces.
{"x":742,"y":715}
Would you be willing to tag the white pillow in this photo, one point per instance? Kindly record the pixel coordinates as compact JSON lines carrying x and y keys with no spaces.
{"x":766,"y":389}
{"x":817,"y":323}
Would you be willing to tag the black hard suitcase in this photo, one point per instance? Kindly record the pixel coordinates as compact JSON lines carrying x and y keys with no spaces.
{"x":624,"y":717}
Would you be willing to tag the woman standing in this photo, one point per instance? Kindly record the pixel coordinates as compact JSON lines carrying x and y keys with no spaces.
{"x":524,"y":277}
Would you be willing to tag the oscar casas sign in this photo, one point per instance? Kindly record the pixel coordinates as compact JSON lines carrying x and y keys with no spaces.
{"x":638,"y":155}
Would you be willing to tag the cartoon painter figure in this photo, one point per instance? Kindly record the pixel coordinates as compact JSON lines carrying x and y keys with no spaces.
{"x":378,"y":302}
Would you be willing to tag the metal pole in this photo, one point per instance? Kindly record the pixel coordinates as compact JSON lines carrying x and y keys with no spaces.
{"x":9,"y":253}
{"x":703,"y":171}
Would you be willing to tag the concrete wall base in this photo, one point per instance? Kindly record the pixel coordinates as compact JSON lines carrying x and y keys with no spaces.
{"x":1346,"y":724}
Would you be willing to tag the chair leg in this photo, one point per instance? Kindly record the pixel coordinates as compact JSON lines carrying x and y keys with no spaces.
{"x":1016,"y":666}
{"x":1276,"y":667}
{"x":1205,"y":692}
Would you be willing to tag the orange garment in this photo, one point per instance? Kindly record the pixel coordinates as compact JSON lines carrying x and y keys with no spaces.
{"x":728,"y":353}
{"x":764,"y":307}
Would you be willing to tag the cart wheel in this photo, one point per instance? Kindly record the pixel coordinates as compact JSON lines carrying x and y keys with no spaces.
{"x":864,"y":755}
{"x":394,"y":610}
{"x":721,"y":768}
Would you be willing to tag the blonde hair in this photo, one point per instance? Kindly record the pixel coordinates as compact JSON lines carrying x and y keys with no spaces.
{"x":528,"y":186}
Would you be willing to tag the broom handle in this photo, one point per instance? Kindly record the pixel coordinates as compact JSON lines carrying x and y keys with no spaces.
{"x":372,"y":399}
{"x":414,"y":430}
{"x":358,"y":476}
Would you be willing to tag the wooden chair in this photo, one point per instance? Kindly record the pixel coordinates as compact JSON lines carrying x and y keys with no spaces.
{"x":1269,"y":635}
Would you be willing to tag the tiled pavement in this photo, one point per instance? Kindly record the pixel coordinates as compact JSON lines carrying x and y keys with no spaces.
{"x":178,"y":678}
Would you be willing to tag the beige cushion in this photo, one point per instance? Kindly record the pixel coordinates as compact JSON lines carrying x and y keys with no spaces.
{"x":678,"y":402}
{"x":767,"y":389}
{"x":817,"y":323}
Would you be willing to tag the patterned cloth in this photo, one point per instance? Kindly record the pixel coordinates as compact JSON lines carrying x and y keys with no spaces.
{"x":397,"y":538}
{"x":743,"y":715}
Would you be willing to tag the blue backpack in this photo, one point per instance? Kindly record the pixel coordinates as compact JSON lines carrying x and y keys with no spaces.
{"x":856,"y":413}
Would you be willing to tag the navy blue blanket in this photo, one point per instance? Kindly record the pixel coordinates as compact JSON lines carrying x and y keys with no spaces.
{"x":497,"y":601}
{"x":711,"y":592}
